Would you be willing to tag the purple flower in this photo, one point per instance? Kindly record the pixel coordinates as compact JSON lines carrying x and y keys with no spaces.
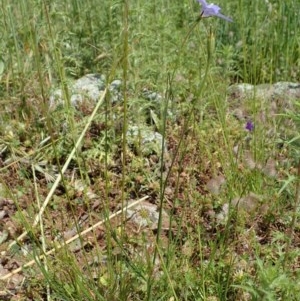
{"x":249,"y":126}
{"x":210,"y":10}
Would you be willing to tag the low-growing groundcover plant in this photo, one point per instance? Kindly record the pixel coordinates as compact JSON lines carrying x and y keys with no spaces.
{"x":216,"y":207}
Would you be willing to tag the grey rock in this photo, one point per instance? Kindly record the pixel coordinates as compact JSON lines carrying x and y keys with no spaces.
{"x":157,"y":103}
{"x":270,"y":100}
{"x":145,"y":140}
{"x":115,"y":85}
{"x":281,"y":91}
{"x":115,"y":88}
{"x":90,"y":83}
{"x":76,"y":99}
{"x":87,"y":88}
{"x":152,"y":96}
{"x":55,"y":98}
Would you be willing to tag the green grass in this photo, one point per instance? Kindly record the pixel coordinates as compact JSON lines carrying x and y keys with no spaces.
{"x":197,"y":252}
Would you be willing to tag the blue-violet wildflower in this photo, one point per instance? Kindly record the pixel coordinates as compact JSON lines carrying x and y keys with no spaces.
{"x":249,"y":126}
{"x":211,"y":10}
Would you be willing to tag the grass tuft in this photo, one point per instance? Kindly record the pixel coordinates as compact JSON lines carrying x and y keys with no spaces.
{"x":92,"y":208}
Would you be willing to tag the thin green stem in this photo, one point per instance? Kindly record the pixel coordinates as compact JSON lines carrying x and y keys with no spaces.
{"x":124,"y":132}
{"x":164,"y":181}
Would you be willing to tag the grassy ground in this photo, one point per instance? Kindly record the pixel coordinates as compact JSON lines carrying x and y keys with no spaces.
{"x":227,"y":197}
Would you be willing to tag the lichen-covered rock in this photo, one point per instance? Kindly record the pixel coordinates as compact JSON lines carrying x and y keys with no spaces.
{"x":87,"y":88}
{"x":270,"y":101}
{"x":145,"y":140}
{"x":282,"y":92}
{"x":152,"y":96}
